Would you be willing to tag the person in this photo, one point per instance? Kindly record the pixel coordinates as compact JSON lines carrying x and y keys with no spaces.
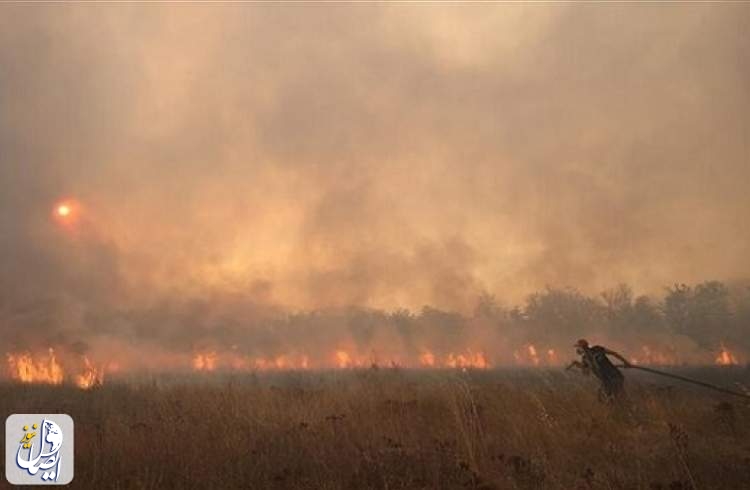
{"x":594,"y":360}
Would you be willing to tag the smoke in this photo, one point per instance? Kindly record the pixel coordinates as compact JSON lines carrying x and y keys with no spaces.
{"x":237,"y":165}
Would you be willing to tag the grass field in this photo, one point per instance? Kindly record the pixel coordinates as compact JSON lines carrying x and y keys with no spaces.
{"x":390,"y":428}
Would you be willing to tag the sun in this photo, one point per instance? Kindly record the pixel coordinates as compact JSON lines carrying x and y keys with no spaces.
{"x":66,"y":211}
{"x":63,"y":210}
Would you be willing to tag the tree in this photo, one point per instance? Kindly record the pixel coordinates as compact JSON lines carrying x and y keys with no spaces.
{"x":626,"y":315}
{"x":702,"y":313}
{"x":558,"y":314}
{"x":488,"y":307}
{"x":618,"y":304}
{"x":647,"y":315}
{"x":676,"y":307}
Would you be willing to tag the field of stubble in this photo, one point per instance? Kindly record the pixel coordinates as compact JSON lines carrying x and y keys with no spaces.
{"x":395,"y":429}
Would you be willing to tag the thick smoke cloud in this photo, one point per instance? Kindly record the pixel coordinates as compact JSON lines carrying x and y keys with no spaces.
{"x":234,"y":164}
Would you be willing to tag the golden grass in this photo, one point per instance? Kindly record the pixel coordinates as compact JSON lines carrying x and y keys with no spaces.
{"x":398,"y":429}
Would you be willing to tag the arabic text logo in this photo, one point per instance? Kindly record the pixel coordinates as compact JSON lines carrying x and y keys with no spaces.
{"x":39,"y":449}
{"x":46,"y":457}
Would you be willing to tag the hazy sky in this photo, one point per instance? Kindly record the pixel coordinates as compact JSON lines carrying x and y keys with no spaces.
{"x":388,"y":156}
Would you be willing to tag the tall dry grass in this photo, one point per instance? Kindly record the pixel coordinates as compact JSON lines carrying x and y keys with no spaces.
{"x":399,"y":429}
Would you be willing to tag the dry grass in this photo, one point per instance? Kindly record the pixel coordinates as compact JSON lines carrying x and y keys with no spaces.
{"x":399,"y":429}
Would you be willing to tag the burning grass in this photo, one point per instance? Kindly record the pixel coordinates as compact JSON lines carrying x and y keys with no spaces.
{"x":395,"y":428}
{"x":79,"y":370}
{"x":47,"y":369}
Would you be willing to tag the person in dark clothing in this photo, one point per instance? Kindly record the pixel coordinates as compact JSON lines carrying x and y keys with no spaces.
{"x":594,"y":360}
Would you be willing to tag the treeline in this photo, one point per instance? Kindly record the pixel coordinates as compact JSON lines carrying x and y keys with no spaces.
{"x":686,"y":318}
{"x":689,"y":322}
{"x":709,"y":313}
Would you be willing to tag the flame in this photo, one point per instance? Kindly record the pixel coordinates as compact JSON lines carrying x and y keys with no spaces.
{"x":205,"y":361}
{"x":26,"y":369}
{"x":343,"y":359}
{"x":530,"y":355}
{"x":726,"y":357}
{"x":552,"y":356}
{"x":468,"y":360}
{"x":427,"y":359}
{"x":90,"y":377}
{"x":533,"y":355}
{"x":340,"y":359}
{"x":212,"y":361}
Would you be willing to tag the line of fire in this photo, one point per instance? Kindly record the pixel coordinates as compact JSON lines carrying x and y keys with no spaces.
{"x":47,"y":368}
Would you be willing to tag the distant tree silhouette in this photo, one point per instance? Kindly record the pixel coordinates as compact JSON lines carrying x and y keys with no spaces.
{"x":618,"y":304}
{"x":627,"y":315}
{"x":741,"y":319}
{"x":488,"y":308}
{"x":702,"y":313}
{"x":557,"y":314}
{"x":646,"y":315}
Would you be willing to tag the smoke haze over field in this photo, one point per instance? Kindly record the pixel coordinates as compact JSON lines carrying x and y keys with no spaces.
{"x":230,"y":163}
